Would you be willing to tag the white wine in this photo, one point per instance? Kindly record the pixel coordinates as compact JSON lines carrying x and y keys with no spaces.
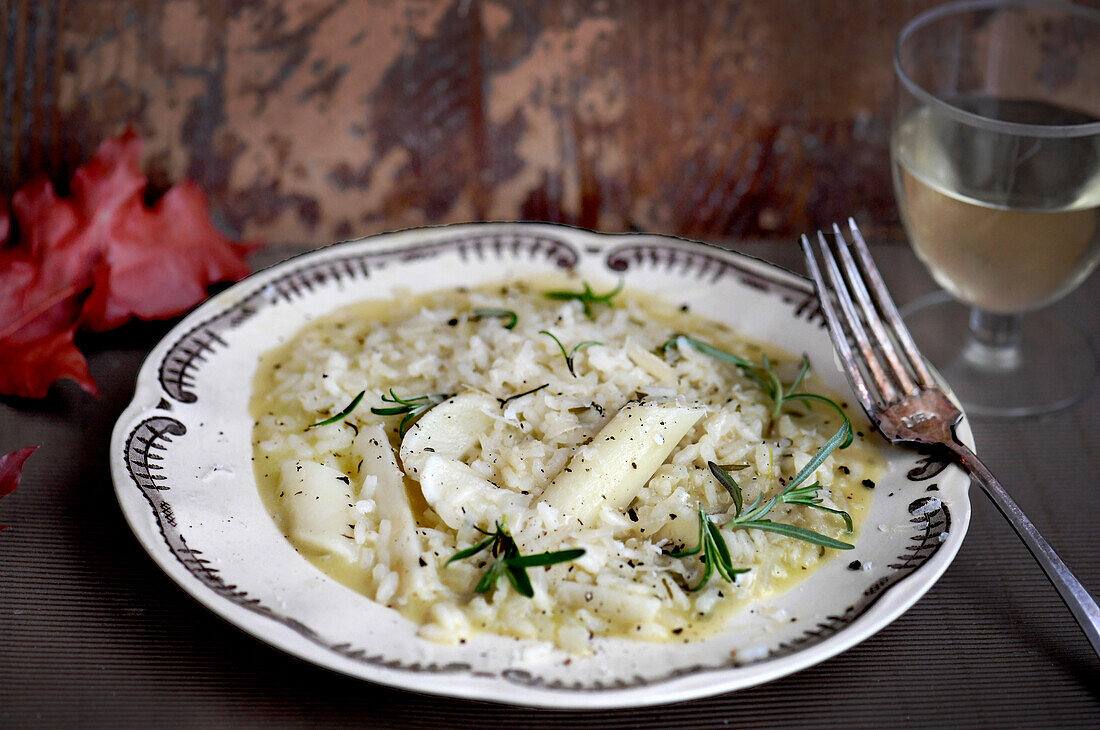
{"x":1004,"y":222}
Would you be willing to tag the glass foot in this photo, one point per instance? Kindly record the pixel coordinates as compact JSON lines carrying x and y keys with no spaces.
{"x":1055,"y":366}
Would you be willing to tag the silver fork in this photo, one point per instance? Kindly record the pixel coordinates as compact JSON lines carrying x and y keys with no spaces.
{"x":903,"y":400}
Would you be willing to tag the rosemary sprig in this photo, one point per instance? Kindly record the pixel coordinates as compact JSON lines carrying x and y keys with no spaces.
{"x":781,"y":396}
{"x":791,"y":494}
{"x":505,"y":401}
{"x":713,"y":545}
{"x":342,"y":414}
{"x":413,"y":407}
{"x":569,"y":355}
{"x":506,"y":314}
{"x":754,"y":516}
{"x":716,"y":555}
{"x":509,"y":561}
{"x":587,"y":297}
{"x":807,"y":497}
{"x":765,"y":376}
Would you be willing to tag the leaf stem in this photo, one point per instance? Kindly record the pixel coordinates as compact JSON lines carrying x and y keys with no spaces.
{"x":569,"y":355}
{"x":505,"y":401}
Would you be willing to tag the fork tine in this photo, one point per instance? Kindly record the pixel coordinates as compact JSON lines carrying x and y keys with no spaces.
{"x":888,"y":308}
{"x":870,"y":316}
{"x":851,"y":317}
{"x":836,"y":331}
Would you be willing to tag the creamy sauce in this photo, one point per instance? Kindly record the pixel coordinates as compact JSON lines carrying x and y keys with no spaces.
{"x":344,"y":330}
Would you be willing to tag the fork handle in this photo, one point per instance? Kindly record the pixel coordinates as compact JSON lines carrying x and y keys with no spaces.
{"x":1080,"y":603}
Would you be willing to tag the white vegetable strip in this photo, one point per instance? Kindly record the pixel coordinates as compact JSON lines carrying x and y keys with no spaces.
{"x":610,"y":603}
{"x":449,"y":430}
{"x":460,"y":496}
{"x":392,"y":503}
{"x":317,"y":507}
{"x":620,"y":459}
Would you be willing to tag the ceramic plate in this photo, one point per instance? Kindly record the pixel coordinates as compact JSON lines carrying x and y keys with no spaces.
{"x":181,"y":462}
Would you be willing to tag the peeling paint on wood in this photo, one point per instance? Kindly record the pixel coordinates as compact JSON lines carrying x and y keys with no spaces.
{"x":317,"y":120}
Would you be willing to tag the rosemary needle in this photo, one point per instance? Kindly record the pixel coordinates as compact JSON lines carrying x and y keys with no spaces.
{"x":507,"y":314}
{"x":342,"y":414}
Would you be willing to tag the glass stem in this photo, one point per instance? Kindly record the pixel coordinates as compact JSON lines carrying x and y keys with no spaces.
{"x":993,"y":342}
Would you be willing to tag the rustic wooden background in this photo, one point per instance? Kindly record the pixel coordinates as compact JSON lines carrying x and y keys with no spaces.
{"x":308,"y":121}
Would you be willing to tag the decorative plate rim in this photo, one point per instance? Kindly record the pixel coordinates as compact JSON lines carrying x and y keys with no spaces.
{"x":164,"y":383}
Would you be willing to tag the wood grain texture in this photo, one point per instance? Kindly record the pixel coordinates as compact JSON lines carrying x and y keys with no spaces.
{"x":313,"y":120}
{"x":93,"y":634}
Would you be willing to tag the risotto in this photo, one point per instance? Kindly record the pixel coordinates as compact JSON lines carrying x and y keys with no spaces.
{"x":540,"y":460}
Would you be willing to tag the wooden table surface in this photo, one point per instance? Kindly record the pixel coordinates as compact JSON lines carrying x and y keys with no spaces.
{"x":92,"y":634}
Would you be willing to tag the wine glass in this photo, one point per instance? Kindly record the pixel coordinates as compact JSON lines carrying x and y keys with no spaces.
{"x":995,"y":151}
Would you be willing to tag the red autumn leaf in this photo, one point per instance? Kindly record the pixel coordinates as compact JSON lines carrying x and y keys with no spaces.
{"x":96,"y":260}
{"x":5,"y":223}
{"x":40,"y":281}
{"x":43,"y":351}
{"x":11,"y":469}
{"x":136,"y":280}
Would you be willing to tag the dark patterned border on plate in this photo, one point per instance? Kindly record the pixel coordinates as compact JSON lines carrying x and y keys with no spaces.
{"x":191,"y":351}
{"x":142,"y":446}
{"x":709,"y":266}
{"x":149,"y":438}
